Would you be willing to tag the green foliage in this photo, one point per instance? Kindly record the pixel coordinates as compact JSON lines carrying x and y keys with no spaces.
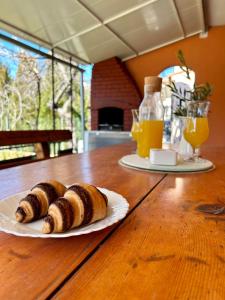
{"x":201,"y":92}
{"x":198,"y":93}
{"x":183,"y":64}
{"x":12,"y":153}
{"x":180,"y":111}
{"x":4,"y":76}
{"x":22,"y":107}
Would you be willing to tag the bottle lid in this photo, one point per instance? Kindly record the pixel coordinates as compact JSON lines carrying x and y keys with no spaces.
{"x":155,"y":82}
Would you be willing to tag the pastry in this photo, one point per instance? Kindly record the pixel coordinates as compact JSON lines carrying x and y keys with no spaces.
{"x":35,"y":205}
{"x":81,"y":204}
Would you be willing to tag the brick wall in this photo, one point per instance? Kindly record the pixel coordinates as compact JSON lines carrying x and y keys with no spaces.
{"x":113,"y":86}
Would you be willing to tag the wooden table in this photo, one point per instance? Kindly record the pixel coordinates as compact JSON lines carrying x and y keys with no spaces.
{"x":163,"y":249}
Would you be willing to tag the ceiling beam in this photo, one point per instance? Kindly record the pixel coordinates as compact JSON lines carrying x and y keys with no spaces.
{"x":162,"y":45}
{"x":37,"y":51}
{"x":26,"y":33}
{"x":34,"y":39}
{"x":91,"y":13}
{"x":105,"y":22}
{"x":202,"y":6}
{"x":77,"y":34}
{"x":178,"y":17}
{"x":129,"y":11}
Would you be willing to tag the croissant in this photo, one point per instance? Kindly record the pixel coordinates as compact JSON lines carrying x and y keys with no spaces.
{"x":81,"y":204}
{"x":35,"y":205}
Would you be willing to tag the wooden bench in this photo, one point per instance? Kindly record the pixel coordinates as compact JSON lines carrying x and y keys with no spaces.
{"x":40,"y":138}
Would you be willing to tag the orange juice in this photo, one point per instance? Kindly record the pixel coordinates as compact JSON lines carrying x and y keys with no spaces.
{"x":196,"y":131}
{"x":135,"y":130}
{"x":149,"y":136}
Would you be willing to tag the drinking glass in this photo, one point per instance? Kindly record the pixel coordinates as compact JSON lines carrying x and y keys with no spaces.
{"x":178,"y":142}
{"x":135,"y":124}
{"x":135,"y":129}
{"x":196,"y":130}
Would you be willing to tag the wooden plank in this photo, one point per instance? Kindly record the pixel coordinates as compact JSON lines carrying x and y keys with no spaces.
{"x":165,"y":249}
{"x":34,"y":268}
{"x":8,"y":138}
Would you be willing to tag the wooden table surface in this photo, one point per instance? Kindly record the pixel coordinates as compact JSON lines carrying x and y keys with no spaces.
{"x":163,"y":249}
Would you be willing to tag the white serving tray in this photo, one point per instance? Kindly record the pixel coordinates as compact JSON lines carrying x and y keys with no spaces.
{"x":117,"y":210}
{"x":136,"y":162}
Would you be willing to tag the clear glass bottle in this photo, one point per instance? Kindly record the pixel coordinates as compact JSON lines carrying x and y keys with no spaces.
{"x":151,"y":114}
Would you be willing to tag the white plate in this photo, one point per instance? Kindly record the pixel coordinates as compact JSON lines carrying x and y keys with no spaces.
{"x":137,"y":162}
{"x":117,"y":210}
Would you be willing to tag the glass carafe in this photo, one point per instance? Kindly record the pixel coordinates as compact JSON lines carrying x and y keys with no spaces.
{"x":151,"y":114}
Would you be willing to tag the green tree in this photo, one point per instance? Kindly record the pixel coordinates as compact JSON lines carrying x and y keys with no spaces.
{"x":26,"y":99}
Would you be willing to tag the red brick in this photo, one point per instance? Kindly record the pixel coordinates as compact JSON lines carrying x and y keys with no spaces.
{"x":113,"y":86}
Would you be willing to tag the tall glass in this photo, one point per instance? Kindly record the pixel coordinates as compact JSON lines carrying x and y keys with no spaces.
{"x":135,"y":124}
{"x":178,"y":141}
{"x":196,"y":131}
{"x":135,"y":129}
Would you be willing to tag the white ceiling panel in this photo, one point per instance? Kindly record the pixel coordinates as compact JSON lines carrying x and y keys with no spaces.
{"x":93,"y":30}
{"x":150,"y":26}
{"x":96,"y":45}
{"x":60,"y":29}
{"x":107,"y":9}
{"x":186,"y":4}
{"x":190,"y":12}
{"x":50,"y":20}
{"x":215,"y":12}
{"x":196,"y":23}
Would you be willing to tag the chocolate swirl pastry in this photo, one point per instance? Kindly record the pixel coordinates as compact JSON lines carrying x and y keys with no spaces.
{"x":81,"y":204}
{"x":35,"y":205}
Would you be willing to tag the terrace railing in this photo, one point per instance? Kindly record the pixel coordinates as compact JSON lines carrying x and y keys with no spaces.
{"x":41,"y":139}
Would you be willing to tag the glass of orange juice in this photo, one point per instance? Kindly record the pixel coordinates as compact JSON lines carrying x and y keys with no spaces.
{"x":196,"y":130}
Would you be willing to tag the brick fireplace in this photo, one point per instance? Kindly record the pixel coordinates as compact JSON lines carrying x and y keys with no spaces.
{"x":113,"y":95}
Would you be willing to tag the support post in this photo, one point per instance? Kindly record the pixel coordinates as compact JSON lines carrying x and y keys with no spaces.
{"x":53,"y":95}
{"x":42,"y":150}
{"x":82,"y":107}
{"x":71,"y":98}
{"x":39,"y":100}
